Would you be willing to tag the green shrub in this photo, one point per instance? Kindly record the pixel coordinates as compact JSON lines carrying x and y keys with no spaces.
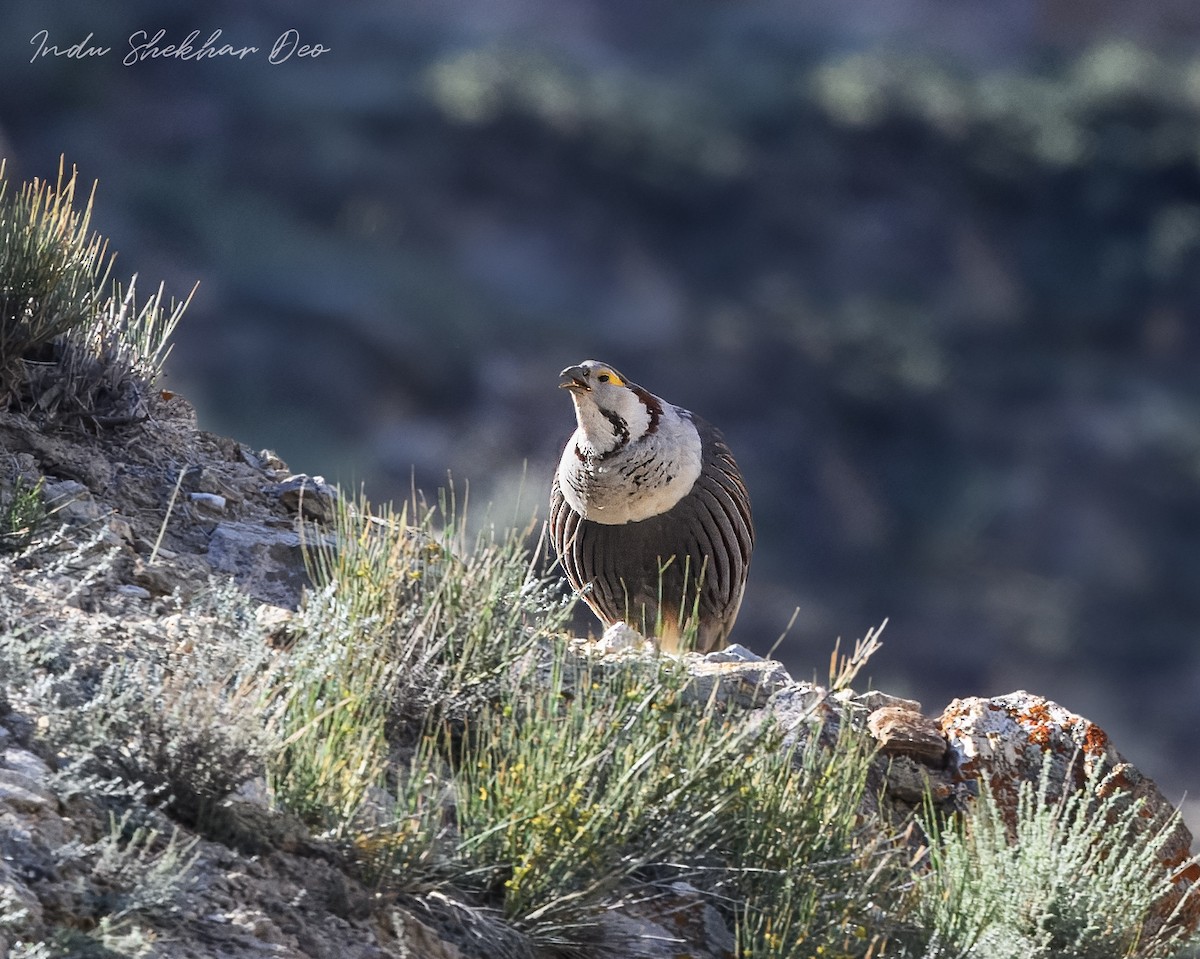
{"x":22,"y":515}
{"x":181,"y":723}
{"x":815,"y":876}
{"x":1074,"y":878}
{"x":52,"y":269}
{"x":566,"y":794}
{"x":605,"y":785}
{"x":414,"y":623}
{"x":69,"y":346}
{"x":137,"y":873}
{"x":435,"y":724}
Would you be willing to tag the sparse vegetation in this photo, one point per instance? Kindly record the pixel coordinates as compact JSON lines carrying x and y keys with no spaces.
{"x":536,"y":790}
{"x":104,"y":369}
{"x":541,"y":785}
{"x":186,"y":721}
{"x":437,"y":738}
{"x":142,"y":867}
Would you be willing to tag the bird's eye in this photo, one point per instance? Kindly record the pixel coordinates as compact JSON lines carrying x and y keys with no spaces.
{"x":603,"y":377}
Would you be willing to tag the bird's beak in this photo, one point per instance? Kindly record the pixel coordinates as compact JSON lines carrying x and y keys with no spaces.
{"x":574,"y":378}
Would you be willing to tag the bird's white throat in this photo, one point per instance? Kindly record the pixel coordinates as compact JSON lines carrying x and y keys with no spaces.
{"x":613,"y":484}
{"x":601,"y":431}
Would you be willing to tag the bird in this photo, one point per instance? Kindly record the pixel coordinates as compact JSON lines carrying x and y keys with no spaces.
{"x":649,"y":513}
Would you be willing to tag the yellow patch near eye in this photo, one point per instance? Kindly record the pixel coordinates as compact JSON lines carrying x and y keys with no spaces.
{"x":608,"y":376}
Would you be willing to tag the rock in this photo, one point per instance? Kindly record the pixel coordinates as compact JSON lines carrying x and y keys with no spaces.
{"x":900,"y":730}
{"x":267,"y":563}
{"x":679,"y":923}
{"x":119,"y":533}
{"x":21,"y":777}
{"x":873,"y":699}
{"x":310,"y":496}
{"x":747,"y":683}
{"x":619,"y":637}
{"x":265,"y":460}
{"x":205,"y":485}
{"x":210,"y":501}
{"x":25,"y":470}
{"x":1006,"y":740}
{"x":735,"y":653}
{"x":157,"y":579}
{"x":23,"y":913}
{"x":25,"y":763}
{"x":71,"y":502}
{"x":276,"y":622}
{"x":19,"y":726}
{"x":1008,"y":736}
{"x":908,"y":781}
{"x":420,"y":940}
{"x":796,"y":706}
{"x":22,"y":794}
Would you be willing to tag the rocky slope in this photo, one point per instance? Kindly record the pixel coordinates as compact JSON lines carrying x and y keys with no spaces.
{"x":157,"y":514}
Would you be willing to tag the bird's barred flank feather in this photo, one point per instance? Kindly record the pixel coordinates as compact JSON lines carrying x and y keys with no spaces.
{"x":682,"y":569}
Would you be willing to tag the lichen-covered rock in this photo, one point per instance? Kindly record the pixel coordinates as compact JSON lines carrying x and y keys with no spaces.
{"x":618,"y":638}
{"x":1009,"y":740}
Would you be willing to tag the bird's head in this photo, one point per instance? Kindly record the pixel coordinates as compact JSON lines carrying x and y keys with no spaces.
{"x":610,"y":410}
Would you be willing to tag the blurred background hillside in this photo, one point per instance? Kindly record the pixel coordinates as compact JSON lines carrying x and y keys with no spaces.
{"x":931,"y":265}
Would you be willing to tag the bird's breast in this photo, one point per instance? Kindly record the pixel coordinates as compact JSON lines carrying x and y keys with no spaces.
{"x":641,"y":480}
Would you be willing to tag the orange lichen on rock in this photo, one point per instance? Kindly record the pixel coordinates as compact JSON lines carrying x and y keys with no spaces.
{"x":1015,"y":739}
{"x":1095,"y":739}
